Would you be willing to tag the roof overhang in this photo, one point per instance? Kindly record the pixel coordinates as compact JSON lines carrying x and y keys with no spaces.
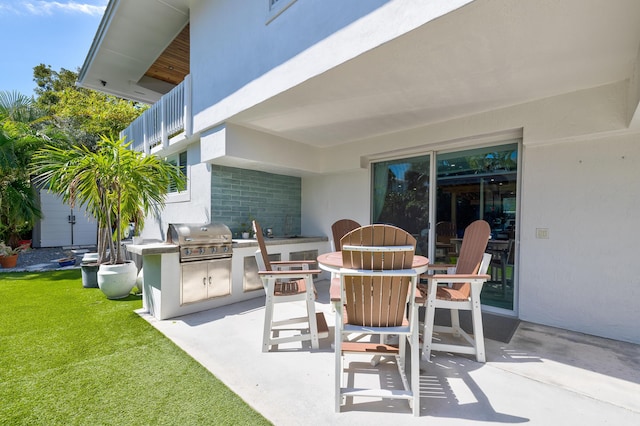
{"x":484,"y":56}
{"x":487,"y":55}
{"x":131,"y":36}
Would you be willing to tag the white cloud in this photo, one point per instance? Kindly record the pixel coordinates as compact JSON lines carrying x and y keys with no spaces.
{"x":5,"y":7}
{"x":51,"y":7}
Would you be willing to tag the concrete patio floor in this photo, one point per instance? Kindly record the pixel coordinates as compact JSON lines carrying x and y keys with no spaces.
{"x":544,"y":376}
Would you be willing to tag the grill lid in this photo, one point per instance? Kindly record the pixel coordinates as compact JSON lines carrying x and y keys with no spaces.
{"x":198,"y":234}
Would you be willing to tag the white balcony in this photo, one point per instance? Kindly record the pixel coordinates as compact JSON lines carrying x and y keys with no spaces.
{"x":168,"y":117}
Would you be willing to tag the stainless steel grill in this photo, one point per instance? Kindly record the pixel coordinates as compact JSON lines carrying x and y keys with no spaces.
{"x":200,"y":241}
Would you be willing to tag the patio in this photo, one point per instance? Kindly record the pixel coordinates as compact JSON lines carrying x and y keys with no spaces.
{"x":543,"y":376}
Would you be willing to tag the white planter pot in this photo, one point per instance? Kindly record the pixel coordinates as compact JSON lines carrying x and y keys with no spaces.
{"x":139,"y":281}
{"x":90,"y":257}
{"x":117,"y":281}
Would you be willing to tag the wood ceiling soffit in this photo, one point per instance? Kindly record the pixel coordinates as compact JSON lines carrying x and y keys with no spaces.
{"x":172,"y":65}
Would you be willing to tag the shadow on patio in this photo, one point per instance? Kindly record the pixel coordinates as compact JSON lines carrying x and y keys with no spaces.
{"x":535,"y":378}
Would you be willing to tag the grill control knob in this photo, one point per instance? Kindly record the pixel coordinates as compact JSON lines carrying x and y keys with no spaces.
{"x":226,"y":249}
{"x":214,"y":249}
{"x":187,"y":252}
{"x":202,"y":250}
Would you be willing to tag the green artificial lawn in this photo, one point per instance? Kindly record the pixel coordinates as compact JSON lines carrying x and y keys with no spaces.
{"x":70,"y":356}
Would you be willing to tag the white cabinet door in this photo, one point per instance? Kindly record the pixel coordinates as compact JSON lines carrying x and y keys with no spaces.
{"x":219,"y":278}
{"x":194,"y":282}
{"x":204,"y":280}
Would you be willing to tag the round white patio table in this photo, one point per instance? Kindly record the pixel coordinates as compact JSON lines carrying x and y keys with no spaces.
{"x":332,"y":262}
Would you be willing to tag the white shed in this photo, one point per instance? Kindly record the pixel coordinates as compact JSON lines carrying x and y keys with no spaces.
{"x":63,"y":226}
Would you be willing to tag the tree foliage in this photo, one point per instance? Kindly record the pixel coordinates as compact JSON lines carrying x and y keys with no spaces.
{"x":50,"y":83}
{"x":20,"y":137}
{"x":82,"y":114}
{"x":61,"y":115}
{"x":18,"y":108}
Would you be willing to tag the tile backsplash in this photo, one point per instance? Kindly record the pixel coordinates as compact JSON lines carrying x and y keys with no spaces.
{"x":273,"y":200}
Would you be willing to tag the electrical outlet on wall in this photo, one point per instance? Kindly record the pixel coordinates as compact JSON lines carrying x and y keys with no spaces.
{"x":542,"y":233}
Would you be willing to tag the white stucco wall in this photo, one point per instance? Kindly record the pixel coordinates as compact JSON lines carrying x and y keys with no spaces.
{"x":237,"y":146}
{"x":190,"y":206}
{"x":239,"y":60}
{"x":583,"y":277}
{"x":329,"y":198}
{"x":580,"y":180}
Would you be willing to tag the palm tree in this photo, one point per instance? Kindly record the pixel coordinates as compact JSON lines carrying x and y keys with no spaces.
{"x":18,"y":140}
{"x":116,"y":185}
{"x":17,"y":108}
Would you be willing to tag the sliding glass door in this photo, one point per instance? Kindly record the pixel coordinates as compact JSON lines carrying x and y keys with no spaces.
{"x":479,"y":183}
{"x":401,"y":197}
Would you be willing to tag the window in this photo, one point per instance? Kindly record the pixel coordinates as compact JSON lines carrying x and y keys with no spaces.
{"x":179,"y":160}
{"x":276,"y":7}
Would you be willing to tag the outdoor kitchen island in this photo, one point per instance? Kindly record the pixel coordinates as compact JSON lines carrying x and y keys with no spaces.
{"x":163,"y":290}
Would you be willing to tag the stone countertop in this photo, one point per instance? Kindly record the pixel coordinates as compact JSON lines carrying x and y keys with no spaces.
{"x":152,"y":248}
{"x":244,"y":243}
{"x":161,"y":248}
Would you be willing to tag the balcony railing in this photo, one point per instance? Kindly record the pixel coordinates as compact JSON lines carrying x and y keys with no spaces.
{"x":168,"y":117}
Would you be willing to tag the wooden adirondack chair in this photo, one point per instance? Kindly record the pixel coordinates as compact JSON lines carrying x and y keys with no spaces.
{"x":340,"y":228}
{"x":377,"y":284}
{"x":283,"y":285}
{"x":464,"y":294}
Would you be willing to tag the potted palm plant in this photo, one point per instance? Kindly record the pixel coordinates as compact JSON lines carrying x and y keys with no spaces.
{"x":117,"y":185}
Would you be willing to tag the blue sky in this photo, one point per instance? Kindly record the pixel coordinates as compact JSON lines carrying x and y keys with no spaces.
{"x":56,"y":33}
